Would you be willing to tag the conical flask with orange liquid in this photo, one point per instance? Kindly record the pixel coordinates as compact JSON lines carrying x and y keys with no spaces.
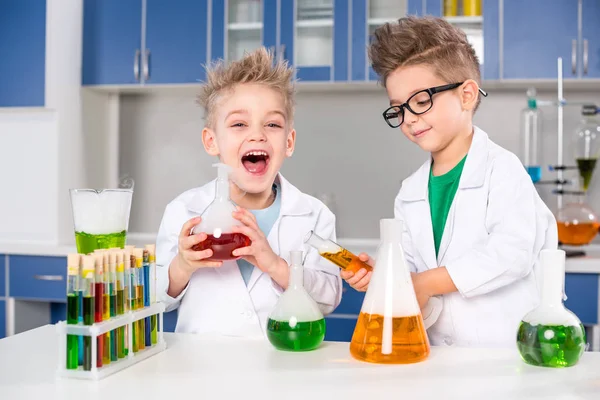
{"x":217,"y":222}
{"x":390,"y":327}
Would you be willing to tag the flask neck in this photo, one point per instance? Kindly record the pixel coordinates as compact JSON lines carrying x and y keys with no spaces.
{"x":222,"y":191}
{"x":296,"y":277}
{"x":552,"y":288}
{"x":391,"y":230}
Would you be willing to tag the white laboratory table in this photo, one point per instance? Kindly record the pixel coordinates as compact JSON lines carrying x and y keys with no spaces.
{"x":201,"y":367}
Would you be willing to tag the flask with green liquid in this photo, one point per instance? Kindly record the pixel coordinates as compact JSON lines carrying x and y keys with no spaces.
{"x":550,"y":335}
{"x":296,"y":323}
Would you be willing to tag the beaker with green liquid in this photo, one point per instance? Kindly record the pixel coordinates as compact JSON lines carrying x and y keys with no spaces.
{"x":100,"y":218}
{"x":296,"y":323}
{"x":551,"y":335}
{"x":586,"y":144}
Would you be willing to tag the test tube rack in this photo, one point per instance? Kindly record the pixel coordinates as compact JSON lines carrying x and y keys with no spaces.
{"x":97,"y":329}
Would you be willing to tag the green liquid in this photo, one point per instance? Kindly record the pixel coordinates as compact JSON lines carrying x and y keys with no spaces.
{"x":586,"y":169}
{"x":551,"y":345}
{"x":154,"y":329}
{"x":302,"y":337}
{"x":88,"y":319}
{"x":121,"y":342}
{"x":72,"y":340}
{"x":120,"y":302}
{"x":87,"y":243}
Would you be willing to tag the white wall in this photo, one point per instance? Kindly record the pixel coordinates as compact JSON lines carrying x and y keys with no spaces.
{"x":346,"y":150}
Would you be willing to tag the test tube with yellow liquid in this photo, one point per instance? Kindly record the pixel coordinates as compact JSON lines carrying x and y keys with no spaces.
{"x":151,"y":248}
{"x":390,"y":327}
{"x":106,"y":306}
{"x":120,"y":306}
{"x":133,"y":280}
{"x":139,"y":297}
{"x":335,"y":253}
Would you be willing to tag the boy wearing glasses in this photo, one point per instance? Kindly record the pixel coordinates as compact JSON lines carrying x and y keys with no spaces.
{"x":474,"y":223}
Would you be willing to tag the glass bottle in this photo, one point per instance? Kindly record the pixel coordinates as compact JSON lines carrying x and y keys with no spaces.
{"x":390,"y":328}
{"x":335,"y":253}
{"x":296,"y":323}
{"x":586,"y":144}
{"x":531,"y":137}
{"x":577,"y":222}
{"x":550,"y":335}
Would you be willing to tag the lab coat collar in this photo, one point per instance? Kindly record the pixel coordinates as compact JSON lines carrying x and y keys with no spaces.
{"x":473,"y":174}
{"x":292,"y":201}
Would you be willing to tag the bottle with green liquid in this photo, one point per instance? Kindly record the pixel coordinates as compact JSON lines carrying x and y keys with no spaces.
{"x":296,"y":323}
{"x":551,"y":335}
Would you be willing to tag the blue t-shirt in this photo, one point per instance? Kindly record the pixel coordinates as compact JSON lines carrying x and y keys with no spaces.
{"x":265,"y":219}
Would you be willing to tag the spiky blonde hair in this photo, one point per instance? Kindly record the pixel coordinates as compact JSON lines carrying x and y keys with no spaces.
{"x":256,"y":67}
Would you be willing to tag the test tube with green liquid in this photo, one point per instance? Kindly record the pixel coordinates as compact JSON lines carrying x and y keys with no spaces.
{"x":88,"y":293}
{"x":106,"y":305}
{"x":112,"y":257}
{"x":120,"y":309}
{"x":73,"y":273}
{"x":139,"y":296}
{"x":152,"y":283}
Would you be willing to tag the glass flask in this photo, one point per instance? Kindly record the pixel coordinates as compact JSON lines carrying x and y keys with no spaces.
{"x":550,"y":335}
{"x":531,"y":137}
{"x":586,"y":144}
{"x":335,"y":253}
{"x":577,"y":222}
{"x":390,"y":328}
{"x":100,"y":218}
{"x":296,"y":323}
{"x":217,"y":221}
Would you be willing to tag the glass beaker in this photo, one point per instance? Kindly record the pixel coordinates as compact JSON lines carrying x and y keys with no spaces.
{"x":531,"y":137}
{"x":217,"y":221}
{"x":586,"y":144}
{"x":390,"y":328}
{"x":550,"y":335}
{"x":100,"y":218}
{"x":577,"y":222}
{"x":335,"y":253}
{"x":296,"y":323}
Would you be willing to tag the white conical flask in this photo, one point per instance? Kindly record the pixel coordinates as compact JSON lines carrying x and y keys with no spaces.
{"x":550,"y":335}
{"x":217,"y":221}
{"x":390,"y":328}
{"x":296,"y":322}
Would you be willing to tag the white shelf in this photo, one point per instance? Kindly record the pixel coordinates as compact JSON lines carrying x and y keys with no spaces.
{"x":381,"y":21}
{"x":245,"y":26}
{"x":314,"y":23}
{"x":465,"y":20}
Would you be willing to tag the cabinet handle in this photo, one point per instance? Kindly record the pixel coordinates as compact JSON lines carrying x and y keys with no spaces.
{"x":585,"y":56}
{"x":574,"y":57}
{"x":48,"y":277}
{"x":145,"y":66}
{"x":136,"y":65}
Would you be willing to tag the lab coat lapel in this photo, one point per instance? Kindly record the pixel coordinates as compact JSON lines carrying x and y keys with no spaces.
{"x":473,"y":176}
{"x":292,"y":204}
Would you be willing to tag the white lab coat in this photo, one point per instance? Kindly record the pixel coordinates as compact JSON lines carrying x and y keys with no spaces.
{"x":496,"y":227}
{"x":216,"y":300}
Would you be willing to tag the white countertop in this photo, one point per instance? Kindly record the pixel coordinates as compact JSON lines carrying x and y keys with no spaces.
{"x":199,"y":367}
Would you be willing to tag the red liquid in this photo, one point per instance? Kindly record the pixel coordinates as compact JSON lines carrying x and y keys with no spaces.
{"x":98,"y":318}
{"x":223,"y":246}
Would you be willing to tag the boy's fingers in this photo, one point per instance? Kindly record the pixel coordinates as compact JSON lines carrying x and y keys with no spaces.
{"x":187,"y":227}
{"x":243,"y":251}
{"x":251,"y":233}
{"x":364,"y":257}
{"x":205,"y":264}
{"x":363,"y":284}
{"x":198,"y":255}
{"x":246,"y":219}
{"x":357,"y":277}
{"x":346,"y":274}
{"x":190,"y":241}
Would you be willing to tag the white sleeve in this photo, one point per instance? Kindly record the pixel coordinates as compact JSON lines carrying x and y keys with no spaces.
{"x":167,"y":243}
{"x":515,"y":235}
{"x":321,"y":277}
{"x":407,"y":244}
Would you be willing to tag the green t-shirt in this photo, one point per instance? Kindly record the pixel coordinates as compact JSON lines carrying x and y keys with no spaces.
{"x":441,"y":193}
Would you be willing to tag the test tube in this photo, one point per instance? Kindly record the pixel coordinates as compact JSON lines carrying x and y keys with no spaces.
{"x":120,"y":302}
{"x":152,"y":283}
{"x":128,"y":299}
{"x":98,"y":310}
{"x":106,"y":306}
{"x":133,"y":280}
{"x":139,"y":296}
{"x":147,"y":327}
{"x":112,"y":257}
{"x":335,"y":253}
{"x":73,"y":273}
{"x":88,"y":294}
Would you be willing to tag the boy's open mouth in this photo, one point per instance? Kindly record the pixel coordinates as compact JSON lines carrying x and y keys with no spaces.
{"x":256,"y":161}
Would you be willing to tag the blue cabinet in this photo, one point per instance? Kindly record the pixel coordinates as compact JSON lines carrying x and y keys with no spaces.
{"x":23,"y":50}
{"x":536,"y":32}
{"x":112,"y":32}
{"x":589,"y":60}
{"x":582,"y":296}
{"x":170,"y":321}
{"x":339,"y":329}
{"x":38,"y":278}
{"x":2,"y":275}
{"x":2,"y":319}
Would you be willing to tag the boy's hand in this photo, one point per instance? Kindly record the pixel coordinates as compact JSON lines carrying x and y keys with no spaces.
{"x":421,"y":291}
{"x":259,"y":253}
{"x":359,"y":281}
{"x":189,"y":260}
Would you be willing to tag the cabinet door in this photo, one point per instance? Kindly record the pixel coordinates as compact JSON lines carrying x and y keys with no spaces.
{"x":240,"y":26}
{"x":491,"y":42}
{"x":176,"y":41}
{"x":590,"y":46}
{"x":536,"y":33}
{"x":314,"y":38}
{"x":2,"y":319}
{"x":23,"y":50}
{"x":2,"y":275}
{"x":112,"y":32}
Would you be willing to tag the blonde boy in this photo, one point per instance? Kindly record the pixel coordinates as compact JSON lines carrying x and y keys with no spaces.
{"x":474,"y":223}
{"x":249,"y":109}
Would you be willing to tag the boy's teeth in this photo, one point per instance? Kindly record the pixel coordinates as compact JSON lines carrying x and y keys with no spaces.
{"x":256,"y":153}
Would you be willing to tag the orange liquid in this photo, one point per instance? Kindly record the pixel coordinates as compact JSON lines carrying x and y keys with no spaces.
{"x":223,"y":246}
{"x":409,"y":339}
{"x":577,"y":234}
{"x":346,"y":261}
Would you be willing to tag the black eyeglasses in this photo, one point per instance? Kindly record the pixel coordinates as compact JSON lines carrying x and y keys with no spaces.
{"x":419,"y":103}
